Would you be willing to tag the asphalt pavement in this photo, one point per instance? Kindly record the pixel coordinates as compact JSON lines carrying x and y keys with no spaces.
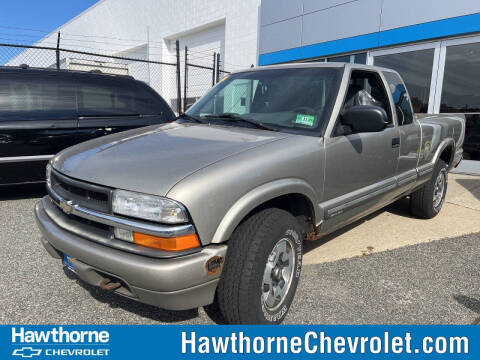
{"x":437,"y":282}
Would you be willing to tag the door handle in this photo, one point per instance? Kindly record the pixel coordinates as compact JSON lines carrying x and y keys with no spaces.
{"x":396,"y":142}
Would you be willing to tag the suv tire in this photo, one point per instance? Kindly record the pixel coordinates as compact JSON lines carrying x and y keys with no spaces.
{"x":262,"y":269}
{"x":427,"y":201}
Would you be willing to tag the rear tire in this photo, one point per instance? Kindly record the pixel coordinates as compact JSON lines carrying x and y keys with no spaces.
{"x":427,"y":201}
{"x":261,"y":270}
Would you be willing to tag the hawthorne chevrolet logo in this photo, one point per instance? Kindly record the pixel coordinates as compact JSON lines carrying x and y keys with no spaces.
{"x":26,"y":352}
{"x":59,"y":342}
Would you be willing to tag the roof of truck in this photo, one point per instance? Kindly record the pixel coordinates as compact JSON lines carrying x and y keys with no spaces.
{"x":303,"y":65}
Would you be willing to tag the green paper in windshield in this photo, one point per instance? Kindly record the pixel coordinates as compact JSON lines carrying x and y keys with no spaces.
{"x":307,"y":120}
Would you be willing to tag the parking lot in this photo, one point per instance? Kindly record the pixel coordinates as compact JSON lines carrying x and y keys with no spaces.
{"x":387,"y":268}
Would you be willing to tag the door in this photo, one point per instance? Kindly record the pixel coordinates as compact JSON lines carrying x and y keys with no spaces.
{"x":410,"y":133}
{"x":107,"y":105}
{"x":359,"y":167}
{"x":37,"y":120}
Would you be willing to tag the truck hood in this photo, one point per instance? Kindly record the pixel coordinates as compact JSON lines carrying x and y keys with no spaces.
{"x":153,"y":159}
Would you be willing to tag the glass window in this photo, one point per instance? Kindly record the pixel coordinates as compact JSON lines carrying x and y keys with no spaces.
{"x":115,"y":97}
{"x":344,"y":59}
{"x":296,"y":99}
{"x":36,"y":97}
{"x":471,"y":145}
{"x":415,"y":67}
{"x":364,"y":88}
{"x":353,"y":59}
{"x":314,"y":60}
{"x":400,"y":98}
{"x":461,"y":85}
{"x":360,"y":58}
{"x":148,"y":102}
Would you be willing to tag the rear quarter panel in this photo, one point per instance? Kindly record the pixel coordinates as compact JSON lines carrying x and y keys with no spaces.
{"x":439,"y":131}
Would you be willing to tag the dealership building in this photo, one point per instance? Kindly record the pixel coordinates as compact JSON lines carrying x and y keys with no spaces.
{"x":433,"y":44}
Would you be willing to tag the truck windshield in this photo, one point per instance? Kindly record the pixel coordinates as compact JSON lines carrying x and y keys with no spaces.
{"x":296,"y":100}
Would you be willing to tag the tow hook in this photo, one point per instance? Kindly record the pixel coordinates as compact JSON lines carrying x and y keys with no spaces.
{"x":109,"y":285}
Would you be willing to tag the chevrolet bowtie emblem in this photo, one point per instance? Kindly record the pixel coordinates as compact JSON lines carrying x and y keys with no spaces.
{"x":26,"y":352}
{"x":66,"y":206}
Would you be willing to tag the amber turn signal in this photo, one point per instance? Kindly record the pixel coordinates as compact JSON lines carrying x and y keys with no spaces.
{"x":178,"y":243}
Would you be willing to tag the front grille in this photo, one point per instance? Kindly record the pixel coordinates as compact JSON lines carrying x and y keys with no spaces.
{"x":86,"y":195}
{"x":85,"y":224}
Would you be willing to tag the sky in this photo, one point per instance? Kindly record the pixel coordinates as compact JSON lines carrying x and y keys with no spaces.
{"x":27,"y":21}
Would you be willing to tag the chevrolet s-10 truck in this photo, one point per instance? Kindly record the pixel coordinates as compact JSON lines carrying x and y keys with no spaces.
{"x":213,"y":208}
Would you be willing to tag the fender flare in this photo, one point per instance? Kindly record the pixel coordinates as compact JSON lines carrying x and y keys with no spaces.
{"x":258,"y":196}
{"x":442,"y":146}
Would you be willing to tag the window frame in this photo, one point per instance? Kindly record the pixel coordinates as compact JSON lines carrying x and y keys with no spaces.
{"x":436,"y":45}
{"x":442,"y":62}
{"x":330,"y":129}
{"x":393,"y":104}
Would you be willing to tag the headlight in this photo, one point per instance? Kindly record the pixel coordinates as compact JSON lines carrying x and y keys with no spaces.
{"x":48,"y":173}
{"x":148,"y":207}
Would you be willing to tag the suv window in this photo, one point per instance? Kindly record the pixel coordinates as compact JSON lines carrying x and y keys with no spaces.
{"x":35,"y":97}
{"x":403,"y":106}
{"x":105,"y":97}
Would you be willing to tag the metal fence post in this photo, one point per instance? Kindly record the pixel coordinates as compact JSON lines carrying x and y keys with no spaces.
{"x":213,"y":68}
{"x":185,"y":80}
{"x":218,"y":67}
{"x":179,"y":84}
{"x":58,"y":51}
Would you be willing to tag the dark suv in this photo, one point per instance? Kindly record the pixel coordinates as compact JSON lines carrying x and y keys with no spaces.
{"x":43,"y":111}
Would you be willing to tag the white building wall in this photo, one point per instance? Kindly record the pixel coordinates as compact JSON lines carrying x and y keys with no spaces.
{"x":231,"y":25}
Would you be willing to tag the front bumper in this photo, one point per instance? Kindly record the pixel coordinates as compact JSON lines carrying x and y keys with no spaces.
{"x":178,"y":283}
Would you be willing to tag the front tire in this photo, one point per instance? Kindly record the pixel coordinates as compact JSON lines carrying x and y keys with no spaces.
{"x":261,"y":269}
{"x":427,"y":201}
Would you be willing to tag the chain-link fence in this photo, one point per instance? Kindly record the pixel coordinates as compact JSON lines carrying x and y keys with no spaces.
{"x":172,"y":80}
{"x":200,"y":75}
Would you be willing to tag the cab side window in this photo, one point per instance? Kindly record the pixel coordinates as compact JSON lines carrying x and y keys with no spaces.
{"x":364,"y":88}
{"x":403,"y":106}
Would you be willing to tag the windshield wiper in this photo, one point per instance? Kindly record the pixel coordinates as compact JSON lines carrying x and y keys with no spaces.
{"x":239,"y":118}
{"x":191,"y":117}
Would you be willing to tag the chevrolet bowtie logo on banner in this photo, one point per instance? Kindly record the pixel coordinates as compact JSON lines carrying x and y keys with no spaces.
{"x":26,"y":352}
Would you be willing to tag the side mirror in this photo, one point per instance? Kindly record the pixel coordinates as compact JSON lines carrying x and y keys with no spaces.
{"x":365,"y":118}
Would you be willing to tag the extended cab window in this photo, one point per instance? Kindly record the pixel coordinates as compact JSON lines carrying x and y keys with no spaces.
{"x":36,"y":97}
{"x":364,"y":88}
{"x":110,"y":97}
{"x":403,"y":107}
